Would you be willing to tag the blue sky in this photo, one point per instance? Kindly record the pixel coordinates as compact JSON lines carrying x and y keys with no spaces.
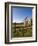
{"x":19,"y":14}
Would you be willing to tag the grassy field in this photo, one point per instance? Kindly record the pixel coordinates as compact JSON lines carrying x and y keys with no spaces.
{"x":21,"y":32}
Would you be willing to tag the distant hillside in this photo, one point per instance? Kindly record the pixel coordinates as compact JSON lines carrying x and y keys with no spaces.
{"x":18,"y":23}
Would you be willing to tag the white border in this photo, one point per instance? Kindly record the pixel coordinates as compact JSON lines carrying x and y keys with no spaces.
{"x":33,"y":27}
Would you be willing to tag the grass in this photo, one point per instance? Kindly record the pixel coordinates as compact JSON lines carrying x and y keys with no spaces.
{"x":21,"y":32}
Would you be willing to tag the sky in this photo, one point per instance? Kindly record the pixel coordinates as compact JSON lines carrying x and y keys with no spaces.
{"x":19,"y":13}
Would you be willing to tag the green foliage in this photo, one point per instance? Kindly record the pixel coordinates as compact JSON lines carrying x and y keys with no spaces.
{"x":22,"y":33}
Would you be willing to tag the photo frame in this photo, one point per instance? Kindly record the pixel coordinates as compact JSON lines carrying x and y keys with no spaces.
{"x":20,"y":22}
